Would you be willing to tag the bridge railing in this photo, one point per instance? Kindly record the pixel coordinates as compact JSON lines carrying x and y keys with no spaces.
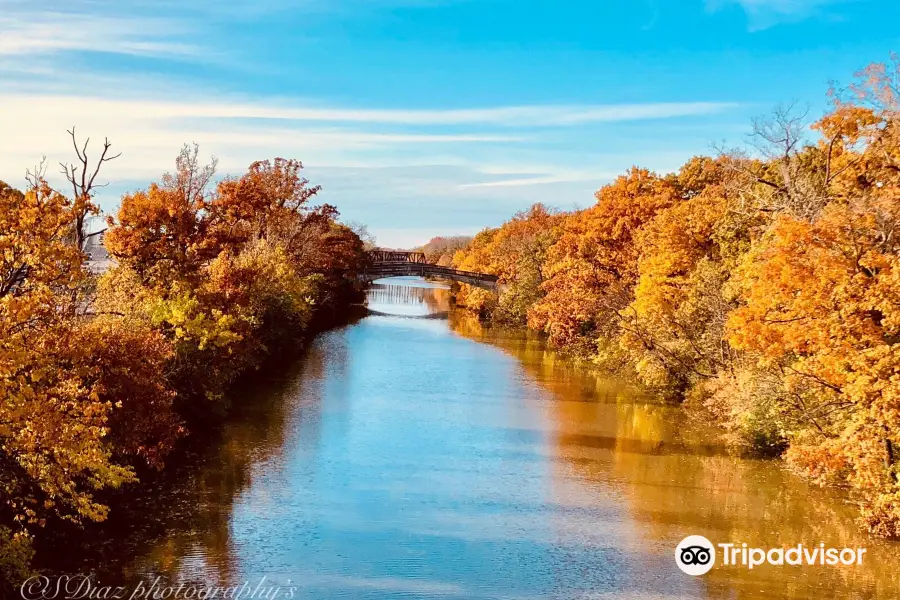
{"x":389,"y":263}
{"x":435,"y":270}
{"x":424,"y":269}
{"x":383,"y":256}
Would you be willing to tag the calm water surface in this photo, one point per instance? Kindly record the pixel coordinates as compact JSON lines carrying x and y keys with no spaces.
{"x":414,"y":454}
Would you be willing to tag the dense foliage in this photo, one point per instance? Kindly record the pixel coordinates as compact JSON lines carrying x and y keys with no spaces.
{"x":440,"y":250}
{"x":763,"y":287}
{"x":100,"y":376}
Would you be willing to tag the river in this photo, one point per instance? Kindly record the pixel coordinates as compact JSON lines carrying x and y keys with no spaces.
{"x":416,"y":454}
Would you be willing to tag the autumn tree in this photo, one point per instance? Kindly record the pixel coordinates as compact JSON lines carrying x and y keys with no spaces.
{"x":820,"y":302}
{"x":592,"y":268}
{"x":161,"y":232}
{"x":440,"y":250}
{"x":54,"y":450}
{"x":515,"y":253}
{"x":479,"y":256}
{"x":220,"y":269}
{"x":673,"y":328}
{"x":209,"y":280}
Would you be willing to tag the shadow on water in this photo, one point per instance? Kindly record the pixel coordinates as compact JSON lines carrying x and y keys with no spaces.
{"x":175,"y":519}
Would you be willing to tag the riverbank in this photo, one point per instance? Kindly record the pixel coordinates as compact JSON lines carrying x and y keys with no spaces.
{"x":143,"y":514}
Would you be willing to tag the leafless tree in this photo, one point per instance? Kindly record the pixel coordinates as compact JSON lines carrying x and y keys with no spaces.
{"x":779,"y":137}
{"x":83,"y":177}
{"x":35,"y":176}
{"x":364,"y":234}
{"x":190,"y":178}
{"x":780,"y":140}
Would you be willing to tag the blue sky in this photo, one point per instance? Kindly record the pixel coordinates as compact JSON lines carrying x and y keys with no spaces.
{"x":419,"y":117}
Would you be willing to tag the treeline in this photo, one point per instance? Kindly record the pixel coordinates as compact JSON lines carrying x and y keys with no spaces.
{"x":440,"y":250}
{"x":763,"y":288}
{"x":101,"y":376}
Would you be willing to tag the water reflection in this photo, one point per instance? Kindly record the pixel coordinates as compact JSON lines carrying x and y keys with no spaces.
{"x":676,"y":481}
{"x":408,"y":296}
{"x":401,"y":459}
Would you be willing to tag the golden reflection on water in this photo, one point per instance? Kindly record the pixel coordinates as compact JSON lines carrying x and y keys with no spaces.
{"x":677,"y":480}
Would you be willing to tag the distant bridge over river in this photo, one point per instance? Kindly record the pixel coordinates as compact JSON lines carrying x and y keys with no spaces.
{"x":388,"y":263}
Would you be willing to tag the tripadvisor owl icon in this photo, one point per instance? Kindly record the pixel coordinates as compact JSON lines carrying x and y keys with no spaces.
{"x":695,"y":555}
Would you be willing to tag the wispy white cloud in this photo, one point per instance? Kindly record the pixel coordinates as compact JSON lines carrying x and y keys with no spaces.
{"x":135,"y":27}
{"x":548,"y":179}
{"x":405,"y":206}
{"x":460,"y":168}
{"x":41,"y":33}
{"x":457,"y":168}
{"x":513,"y":116}
{"x":221,"y":9}
{"x":149,"y":133}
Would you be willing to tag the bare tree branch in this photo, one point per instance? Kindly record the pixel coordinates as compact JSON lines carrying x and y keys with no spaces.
{"x":83,"y":186}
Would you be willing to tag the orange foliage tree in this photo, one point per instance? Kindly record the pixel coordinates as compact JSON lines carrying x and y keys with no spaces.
{"x":62,"y":426}
{"x":516,"y":253}
{"x":592,"y":268}
{"x":227,"y":272}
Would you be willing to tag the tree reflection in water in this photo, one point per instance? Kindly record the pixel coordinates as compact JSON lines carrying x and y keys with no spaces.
{"x":405,"y":296}
{"x":678,"y":481}
{"x":178,"y":525}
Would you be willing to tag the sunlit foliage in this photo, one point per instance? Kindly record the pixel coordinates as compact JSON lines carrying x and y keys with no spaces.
{"x":515,"y":252}
{"x":100,"y":377}
{"x":763,"y":286}
{"x":440,"y":250}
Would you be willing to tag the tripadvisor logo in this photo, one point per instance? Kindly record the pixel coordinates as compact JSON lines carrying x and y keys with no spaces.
{"x":696,"y":555}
